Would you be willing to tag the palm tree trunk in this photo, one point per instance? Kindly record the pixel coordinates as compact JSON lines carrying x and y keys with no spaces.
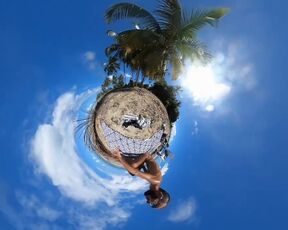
{"x":124,"y":70}
{"x":132,"y":74}
{"x":143,"y":79}
{"x":137,"y":75}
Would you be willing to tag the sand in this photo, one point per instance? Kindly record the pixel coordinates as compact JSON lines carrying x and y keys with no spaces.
{"x":131,"y":101}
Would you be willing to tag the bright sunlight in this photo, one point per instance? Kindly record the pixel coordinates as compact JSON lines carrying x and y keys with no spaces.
{"x":205,"y":84}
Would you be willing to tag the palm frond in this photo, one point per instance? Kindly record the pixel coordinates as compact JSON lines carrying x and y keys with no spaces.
{"x":128,"y":10}
{"x":111,"y":49}
{"x":169,"y":15}
{"x":112,"y":66}
{"x":167,"y":38}
{"x":138,"y":39}
{"x":140,"y":49}
{"x":193,"y":50}
{"x":191,"y":23}
{"x":90,"y":136}
{"x":176,"y":62}
{"x":150,"y":61}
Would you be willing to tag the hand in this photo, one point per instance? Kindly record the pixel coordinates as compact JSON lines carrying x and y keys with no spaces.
{"x":117,"y":153}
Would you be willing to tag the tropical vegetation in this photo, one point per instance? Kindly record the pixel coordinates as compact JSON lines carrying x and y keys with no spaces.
{"x":159,"y":43}
{"x":162,"y":39}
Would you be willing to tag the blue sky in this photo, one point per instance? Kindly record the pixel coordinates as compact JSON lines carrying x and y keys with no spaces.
{"x":230,"y":165}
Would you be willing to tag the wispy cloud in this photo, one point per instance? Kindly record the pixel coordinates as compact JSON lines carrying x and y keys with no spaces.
{"x":92,"y":221}
{"x":36,"y":213}
{"x":185,"y":211}
{"x":89,"y":58}
{"x":8,"y":211}
{"x":34,"y":206}
{"x":195,"y":128}
{"x":54,"y":154}
{"x":173,"y":133}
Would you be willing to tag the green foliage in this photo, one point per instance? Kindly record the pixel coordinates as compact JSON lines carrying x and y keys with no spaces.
{"x":165,"y":93}
{"x":127,"y":10}
{"x":112,"y":66}
{"x":167,"y":37}
{"x":118,"y":82}
{"x":168,"y":96}
{"x":109,"y":84}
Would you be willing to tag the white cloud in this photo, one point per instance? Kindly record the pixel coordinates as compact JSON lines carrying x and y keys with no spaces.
{"x":54,"y":153}
{"x":195,"y":128}
{"x":238,"y":68}
{"x":93,"y":221}
{"x":32,"y":204}
{"x":185,"y":211}
{"x":128,"y":75}
{"x":164,"y":169}
{"x":210,"y":108}
{"x":9,"y":212}
{"x":89,"y":58}
{"x":173,"y":132}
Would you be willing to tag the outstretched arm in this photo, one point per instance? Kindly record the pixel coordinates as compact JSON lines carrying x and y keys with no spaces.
{"x":135,"y":171}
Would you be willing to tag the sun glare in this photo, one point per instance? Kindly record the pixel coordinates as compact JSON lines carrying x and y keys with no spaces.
{"x":205,"y":85}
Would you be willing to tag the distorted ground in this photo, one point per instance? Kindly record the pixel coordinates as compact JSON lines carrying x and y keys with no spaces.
{"x":131,"y":101}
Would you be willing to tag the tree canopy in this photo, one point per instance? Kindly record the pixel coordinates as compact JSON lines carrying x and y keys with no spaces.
{"x":166,"y":37}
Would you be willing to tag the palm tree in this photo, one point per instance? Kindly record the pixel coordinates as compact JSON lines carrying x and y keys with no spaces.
{"x":169,"y":36}
{"x":112,"y":66}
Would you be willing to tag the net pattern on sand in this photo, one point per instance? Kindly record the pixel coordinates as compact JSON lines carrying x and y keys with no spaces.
{"x":128,"y":145}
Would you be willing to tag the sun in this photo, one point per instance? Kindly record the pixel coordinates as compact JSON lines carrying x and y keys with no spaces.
{"x":205,"y":84}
